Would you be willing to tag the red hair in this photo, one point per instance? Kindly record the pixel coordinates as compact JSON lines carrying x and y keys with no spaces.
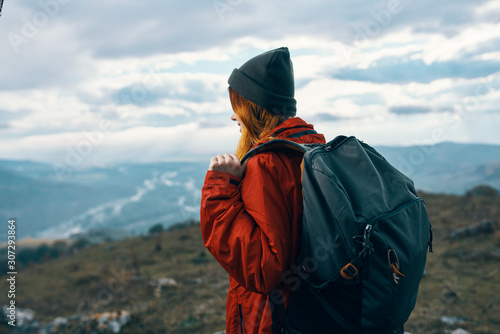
{"x":257,"y":122}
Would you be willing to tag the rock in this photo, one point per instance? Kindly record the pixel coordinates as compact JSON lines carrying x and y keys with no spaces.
{"x":25,"y":318}
{"x":103,"y":322}
{"x":166,"y":281}
{"x":452,"y":321}
{"x":55,"y":325}
{"x":222,"y":332}
{"x":161,"y":283}
{"x":483,"y":227}
{"x":197,"y":281}
{"x":113,"y":321}
{"x":460,"y":331}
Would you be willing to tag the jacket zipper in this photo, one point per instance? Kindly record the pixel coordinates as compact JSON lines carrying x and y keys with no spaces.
{"x":242,"y":322}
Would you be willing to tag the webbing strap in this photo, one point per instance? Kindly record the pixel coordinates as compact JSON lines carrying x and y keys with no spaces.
{"x":275,"y":144}
{"x":303,"y":133}
{"x":281,"y":144}
{"x":279,"y":315}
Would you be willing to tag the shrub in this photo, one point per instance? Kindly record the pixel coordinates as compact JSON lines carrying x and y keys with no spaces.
{"x":157,"y":228}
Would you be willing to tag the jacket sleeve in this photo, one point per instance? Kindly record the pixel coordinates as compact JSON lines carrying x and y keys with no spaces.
{"x":247,"y":229}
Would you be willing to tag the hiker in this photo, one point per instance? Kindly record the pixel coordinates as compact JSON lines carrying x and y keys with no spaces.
{"x":251,"y":213}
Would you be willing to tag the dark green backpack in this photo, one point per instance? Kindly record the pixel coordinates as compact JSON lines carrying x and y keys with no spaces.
{"x":365,"y":235}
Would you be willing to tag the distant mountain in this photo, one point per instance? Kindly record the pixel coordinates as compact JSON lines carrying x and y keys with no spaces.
{"x":133,"y":197}
{"x":129,"y":197}
{"x":447,"y":167}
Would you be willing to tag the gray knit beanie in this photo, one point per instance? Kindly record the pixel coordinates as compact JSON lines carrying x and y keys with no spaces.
{"x":267,"y":80}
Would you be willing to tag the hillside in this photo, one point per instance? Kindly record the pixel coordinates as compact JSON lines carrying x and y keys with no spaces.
{"x":460,"y":287}
{"x":130,"y":198}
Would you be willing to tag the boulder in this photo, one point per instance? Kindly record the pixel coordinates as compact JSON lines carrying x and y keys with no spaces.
{"x":113,"y":321}
{"x":452,"y":321}
{"x":460,"y":331}
{"x":483,"y":227}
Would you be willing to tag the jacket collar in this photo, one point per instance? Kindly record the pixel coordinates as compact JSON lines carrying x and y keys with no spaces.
{"x":294,"y":129}
{"x":294,"y":126}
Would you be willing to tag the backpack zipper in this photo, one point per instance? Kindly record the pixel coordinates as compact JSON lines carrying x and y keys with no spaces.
{"x":387,"y":215}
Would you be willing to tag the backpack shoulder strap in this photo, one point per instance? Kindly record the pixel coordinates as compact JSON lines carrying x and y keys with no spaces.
{"x":274,"y":145}
{"x":285,"y":144}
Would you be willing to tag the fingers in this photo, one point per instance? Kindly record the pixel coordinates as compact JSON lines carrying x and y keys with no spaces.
{"x":227,"y":163}
{"x":213,"y":162}
{"x":227,"y":159}
{"x":220,"y":161}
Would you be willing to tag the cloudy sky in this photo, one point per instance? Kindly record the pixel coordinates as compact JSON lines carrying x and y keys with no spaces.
{"x":101,"y":82}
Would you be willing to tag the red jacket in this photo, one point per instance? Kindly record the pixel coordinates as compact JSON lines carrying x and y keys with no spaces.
{"x":251,"y":226}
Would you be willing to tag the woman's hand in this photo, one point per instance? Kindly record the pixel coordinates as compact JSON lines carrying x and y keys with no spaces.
{"x":228,"y":163}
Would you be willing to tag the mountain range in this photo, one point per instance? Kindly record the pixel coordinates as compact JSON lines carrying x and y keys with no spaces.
{"x":128,"y":199}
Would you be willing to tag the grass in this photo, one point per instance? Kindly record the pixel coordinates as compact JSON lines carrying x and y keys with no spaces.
{"x":116,"y":276}
{"x":461,"y":278}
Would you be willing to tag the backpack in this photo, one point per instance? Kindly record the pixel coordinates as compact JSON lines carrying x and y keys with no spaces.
{"x":363,"y":246}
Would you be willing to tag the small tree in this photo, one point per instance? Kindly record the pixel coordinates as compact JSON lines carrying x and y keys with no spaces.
{"x":155,"y":229}
{"x":482,"y":190}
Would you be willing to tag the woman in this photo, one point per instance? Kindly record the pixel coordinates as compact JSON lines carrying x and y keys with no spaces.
{"x":251,"y":213}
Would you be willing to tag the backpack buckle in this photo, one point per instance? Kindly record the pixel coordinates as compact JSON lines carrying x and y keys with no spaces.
{"x":349,"y":271}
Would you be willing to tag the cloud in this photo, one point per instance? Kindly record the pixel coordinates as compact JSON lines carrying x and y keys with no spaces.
{"x":6,"y":117}
{"x":183,"y":142}
{"x":162,"y":120}
{"x":131,"y":28}
{"x":14,"y":115}
{"x":406,"y":110}
{"x":322,"y":117}
{"x":64,"y":49}
{"x":158,"y":70}
{"x":195,"y":91}
{"x":37,"y":50}
{"x":416,"y":129}
{"x":397,"y":71}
